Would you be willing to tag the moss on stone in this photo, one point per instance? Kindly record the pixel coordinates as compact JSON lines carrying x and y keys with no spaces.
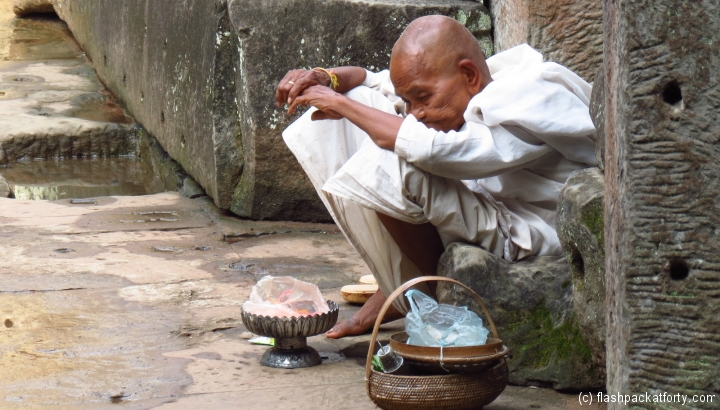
{"x":593,"y":216}
{"x":542,"y":342}
{"x":480,"y":25}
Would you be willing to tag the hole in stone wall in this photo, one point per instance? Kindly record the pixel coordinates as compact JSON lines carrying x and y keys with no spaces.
{"x":182,"y":140}
{"x":124,"y":78}
{"x":162,"y":117}
{"x":672,"y":94}
{"x":577,"y":263}
{"x":679,"y":269}
{"x":105,"y":59}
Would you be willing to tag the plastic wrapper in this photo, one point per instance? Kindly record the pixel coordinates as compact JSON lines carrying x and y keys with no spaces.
{"x":432,"y":324}
{"x":284,"y":296}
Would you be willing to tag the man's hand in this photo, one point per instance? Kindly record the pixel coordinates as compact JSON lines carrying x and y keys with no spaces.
{"x":310,"y":88}
{"x":297,"y":81}
{"x":323,"y":98}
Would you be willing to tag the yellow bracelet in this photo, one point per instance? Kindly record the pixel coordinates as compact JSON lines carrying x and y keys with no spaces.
{"x":333,"y":77}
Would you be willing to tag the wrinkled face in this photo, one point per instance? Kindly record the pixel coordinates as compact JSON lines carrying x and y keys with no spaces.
{"x":437,"y":99}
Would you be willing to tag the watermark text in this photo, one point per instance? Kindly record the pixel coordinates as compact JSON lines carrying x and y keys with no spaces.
{"x":664,"y":397}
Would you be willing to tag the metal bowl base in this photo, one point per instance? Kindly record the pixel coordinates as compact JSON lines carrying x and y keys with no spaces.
{"x":291,"y":359}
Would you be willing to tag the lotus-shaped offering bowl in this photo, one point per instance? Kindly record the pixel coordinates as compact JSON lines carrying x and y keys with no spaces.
{"x":290,"y":333}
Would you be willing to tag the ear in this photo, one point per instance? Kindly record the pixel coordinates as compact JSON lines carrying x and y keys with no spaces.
{"x":471,"y":75}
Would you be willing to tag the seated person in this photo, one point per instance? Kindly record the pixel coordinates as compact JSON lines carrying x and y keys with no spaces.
{"x":445,"y":147}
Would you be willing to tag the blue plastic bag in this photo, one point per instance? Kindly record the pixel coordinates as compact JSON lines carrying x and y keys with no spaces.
{"x":432,"y":324}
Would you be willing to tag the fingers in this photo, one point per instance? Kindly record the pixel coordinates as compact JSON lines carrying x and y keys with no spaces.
{"x":295,"y":83}
{"x":306,"y":97}
{"x":297,"y":101}
{"x":301,"y":84}
{"x":286,"y":84}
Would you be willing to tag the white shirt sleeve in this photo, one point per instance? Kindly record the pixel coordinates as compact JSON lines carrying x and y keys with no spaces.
{"x":381,"y":82}
{"x":475,"y":151}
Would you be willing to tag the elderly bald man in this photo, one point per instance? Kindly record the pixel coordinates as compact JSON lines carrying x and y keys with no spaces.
{"x":445,"y":147}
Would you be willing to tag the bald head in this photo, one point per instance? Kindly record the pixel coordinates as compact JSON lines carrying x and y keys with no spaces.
{"x":439,"y":43}
{"x":437,"y":67}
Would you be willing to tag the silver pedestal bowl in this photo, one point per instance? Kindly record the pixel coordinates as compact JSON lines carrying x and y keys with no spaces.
{"x":290,"y":333}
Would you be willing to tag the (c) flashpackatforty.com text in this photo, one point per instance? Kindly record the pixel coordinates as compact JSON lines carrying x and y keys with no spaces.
{"x":664,"y":397}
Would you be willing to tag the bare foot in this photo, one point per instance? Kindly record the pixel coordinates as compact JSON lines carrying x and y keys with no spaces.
{"x":347,"y":328}
{"x":364,"y":319}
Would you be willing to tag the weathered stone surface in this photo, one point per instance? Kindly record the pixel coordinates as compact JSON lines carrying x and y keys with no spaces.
{"x":5,"y":191}
{"x":175,"y":69}
{"x":28,"y":7}
{"x":566,"y":31}
{"x":662,"y":189}
{"x":597,"y":112}
{"x":166,"y":169}
{"x":191,"y":189}
{"x":52,"y":104}
{"x":281,"y":35}
{"x":531,"y":303}
{"x":580,"y":229}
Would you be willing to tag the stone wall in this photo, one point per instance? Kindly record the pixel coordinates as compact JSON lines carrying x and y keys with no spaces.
{"x":662,"y":187}
{"x":174,"y":70}
{"x":566,"y":31}
{"x":200,"y":77}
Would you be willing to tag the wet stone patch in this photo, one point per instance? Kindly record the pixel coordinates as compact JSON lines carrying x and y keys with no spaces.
{"x":82,"y":179}
{"x":63,"y":135}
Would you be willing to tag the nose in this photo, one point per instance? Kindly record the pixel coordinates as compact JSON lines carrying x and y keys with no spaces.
{"x":418,"y":112}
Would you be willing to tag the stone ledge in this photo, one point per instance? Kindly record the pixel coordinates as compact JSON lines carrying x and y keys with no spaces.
{"x":580,"y":226}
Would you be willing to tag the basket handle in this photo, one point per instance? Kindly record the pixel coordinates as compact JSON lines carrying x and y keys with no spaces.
{"x":399,"y":291}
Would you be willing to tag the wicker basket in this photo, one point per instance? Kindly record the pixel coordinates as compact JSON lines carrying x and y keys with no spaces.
{"x":435,"y":392}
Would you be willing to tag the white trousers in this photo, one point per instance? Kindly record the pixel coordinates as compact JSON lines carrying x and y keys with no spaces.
{"x":355,"y":179}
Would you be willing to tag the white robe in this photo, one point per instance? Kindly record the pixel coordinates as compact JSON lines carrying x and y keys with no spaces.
{"x":493,"y":183}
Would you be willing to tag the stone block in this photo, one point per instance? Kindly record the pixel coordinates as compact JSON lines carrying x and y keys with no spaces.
{"x":580,"y":225}
{"x":531,"y":302}
{"x":276,"y":36}
{"x":174,"y":66}
{"x":5,"y":191}
{"x":191,"y":189}
{"x":597,"y":113}
{"x":569,"y":32}
{"x":662,"y":204}
{"x":52,"y":104}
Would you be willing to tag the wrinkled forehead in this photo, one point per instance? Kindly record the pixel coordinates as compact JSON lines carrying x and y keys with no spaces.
{"x":418,"y":67}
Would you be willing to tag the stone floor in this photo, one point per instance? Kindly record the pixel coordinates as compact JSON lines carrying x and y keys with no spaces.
{"x":136,"y":301}
{"x":52,"y":104}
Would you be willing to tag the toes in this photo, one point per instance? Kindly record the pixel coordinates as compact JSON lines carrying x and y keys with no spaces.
{"x":334,"y":333}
